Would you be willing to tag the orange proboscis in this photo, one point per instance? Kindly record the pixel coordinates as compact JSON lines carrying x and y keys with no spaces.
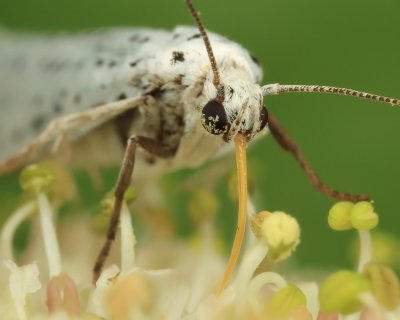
{"x":241,"y":164}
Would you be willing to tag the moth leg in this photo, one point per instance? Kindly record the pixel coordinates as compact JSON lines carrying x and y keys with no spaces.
{"x":123,"y":182}
{"x":288,"y":144}
{"x":77,"y":123}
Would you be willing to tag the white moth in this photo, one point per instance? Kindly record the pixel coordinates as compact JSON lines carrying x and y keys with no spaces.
{"x":155,"y":86}
{"x":101,"y":75}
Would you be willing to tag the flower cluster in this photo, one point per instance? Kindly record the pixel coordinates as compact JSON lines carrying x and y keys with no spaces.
{"x":178,"y":280}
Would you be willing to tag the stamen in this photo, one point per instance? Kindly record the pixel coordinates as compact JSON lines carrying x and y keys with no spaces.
{"x":11,"y":225}
{"x":49,"y":235}
{"x":250,"y":262}
{"x":276,"y":88}
{"x":240,"y":143}
{"x":365,"y":249}
{"x":265,"y":278}
{"x":128,"y":240}
{"x":36,"y":179}
{"x":363,"y":218}
{"x":258,"y":282}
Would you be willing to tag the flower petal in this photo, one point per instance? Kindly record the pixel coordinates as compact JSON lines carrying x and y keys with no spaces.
{"x":22,"y":281}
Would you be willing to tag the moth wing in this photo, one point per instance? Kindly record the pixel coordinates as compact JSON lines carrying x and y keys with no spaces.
{"x":70,"y":127}
{"x":45,"y":77}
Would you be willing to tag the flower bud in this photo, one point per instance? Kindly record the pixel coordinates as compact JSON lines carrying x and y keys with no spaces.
{"x":385,"y":285}
{"x":107,"y":204}
{"x":130,"y":195}
{"x":202,"y":205}
{"x":340,"y":292}
{"x":285,"y":301}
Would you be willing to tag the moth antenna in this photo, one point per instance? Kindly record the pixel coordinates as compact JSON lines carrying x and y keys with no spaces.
{"x":210,"y":53}
{"x":276,"y":88}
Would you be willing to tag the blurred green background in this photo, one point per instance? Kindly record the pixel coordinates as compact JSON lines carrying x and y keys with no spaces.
{"x":352,"y":144}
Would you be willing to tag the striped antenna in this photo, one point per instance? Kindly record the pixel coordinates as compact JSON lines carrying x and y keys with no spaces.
{"x":210,"y":53}
{"x":276,"y":88}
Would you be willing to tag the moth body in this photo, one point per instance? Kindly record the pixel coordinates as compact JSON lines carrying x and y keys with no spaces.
{"x":50,"y":77}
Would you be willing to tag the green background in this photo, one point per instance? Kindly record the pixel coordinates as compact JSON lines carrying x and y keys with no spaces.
{"x":352,"y":144}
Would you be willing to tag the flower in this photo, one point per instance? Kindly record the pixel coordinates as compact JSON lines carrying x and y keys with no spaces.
{"x":175,"y":279}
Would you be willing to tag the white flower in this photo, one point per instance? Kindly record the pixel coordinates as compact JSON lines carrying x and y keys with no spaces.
{"x":174,"y":280}
{"x":22,"y":281}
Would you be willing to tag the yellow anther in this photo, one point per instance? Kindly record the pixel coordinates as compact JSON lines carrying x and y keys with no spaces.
{"x":339,"y":216}
{"x":35,"y":178}
{"x":363,"y":217}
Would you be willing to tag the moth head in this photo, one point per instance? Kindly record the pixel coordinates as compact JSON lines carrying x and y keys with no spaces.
{"x":217,"y":120}
{"x":234,"y":102}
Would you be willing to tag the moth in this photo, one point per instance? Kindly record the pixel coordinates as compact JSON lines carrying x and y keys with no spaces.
{"x":159,"y":100}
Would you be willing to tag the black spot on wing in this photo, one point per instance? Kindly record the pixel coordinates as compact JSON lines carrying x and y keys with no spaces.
{"x":138,"y":39}
{"x":177,"y":56}
{"x":144,"y":40}
{"x":134,"y":38}
{"x":112,"y":64}
{"x":122,"y":96}
{"x":57,"y":108}
{"x":38,"y":123}
{"x":134,"y":63}
{"x":77,"y":98}
{"x":195,"y":36}
{"x":99,"y":62}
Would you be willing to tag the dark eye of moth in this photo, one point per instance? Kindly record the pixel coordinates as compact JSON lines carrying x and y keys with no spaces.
{"x":263,"y":118}
{"x":214,"y":118}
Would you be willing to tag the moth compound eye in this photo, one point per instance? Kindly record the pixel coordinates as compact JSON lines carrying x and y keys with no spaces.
{"x":214,"y":118}
{"x":263,"y":118}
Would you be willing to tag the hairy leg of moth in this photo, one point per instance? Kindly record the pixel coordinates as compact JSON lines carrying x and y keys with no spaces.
{"x":289,"y":145}
{"x":124,"y":180}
